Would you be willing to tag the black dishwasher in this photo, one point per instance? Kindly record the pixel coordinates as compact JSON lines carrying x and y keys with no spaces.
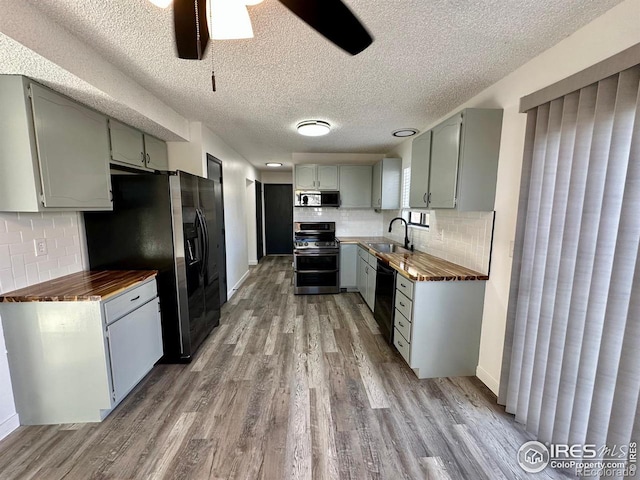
{"x":385,"y":289}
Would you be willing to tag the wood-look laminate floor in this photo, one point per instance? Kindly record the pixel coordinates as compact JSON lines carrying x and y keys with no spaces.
{"x":288,"y":387}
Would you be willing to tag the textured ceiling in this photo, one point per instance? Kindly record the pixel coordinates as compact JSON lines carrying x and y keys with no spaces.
{"x":427,"y":58}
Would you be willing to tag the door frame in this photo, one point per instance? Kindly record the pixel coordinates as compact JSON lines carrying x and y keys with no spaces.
{"x":260,"y":250}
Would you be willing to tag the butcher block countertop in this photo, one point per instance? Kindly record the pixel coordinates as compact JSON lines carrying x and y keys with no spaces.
{"x":80,"y":287}
{"x":417,"y":266}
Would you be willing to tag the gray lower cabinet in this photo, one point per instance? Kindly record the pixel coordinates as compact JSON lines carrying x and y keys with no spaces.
{"x":437,"y":326}
{"x":54,"y":151}
{"x":73,"y":362}
{"x":386,"y":184}
{"x":355,"y":186}
{"x":367,"y":270}
{"x":349,"y":266}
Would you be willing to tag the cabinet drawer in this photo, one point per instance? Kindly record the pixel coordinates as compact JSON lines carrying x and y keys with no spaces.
{"x":364,"y":254}
{"x":373,"y":260}
{"x":402,"y":346}
{"x":403,"y":304}
{"x":129,"y":301}
{"x":402,"y":324}
{"x":405,"y":286}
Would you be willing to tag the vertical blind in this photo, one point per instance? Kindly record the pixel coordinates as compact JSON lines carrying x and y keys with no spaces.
{"x":571,"y":365}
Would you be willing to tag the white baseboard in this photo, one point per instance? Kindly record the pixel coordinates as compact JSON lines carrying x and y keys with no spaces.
{"x":9,"y":425}
{"x":488,"y":380}
{"x":237,"y":285}
{"x":253,"y":262}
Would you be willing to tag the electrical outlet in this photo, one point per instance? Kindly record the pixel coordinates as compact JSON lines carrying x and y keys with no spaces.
{"x":40,"y":245}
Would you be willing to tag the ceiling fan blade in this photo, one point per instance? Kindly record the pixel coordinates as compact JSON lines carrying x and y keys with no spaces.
{"x":334,"y":20}
{"x":190,"y":26}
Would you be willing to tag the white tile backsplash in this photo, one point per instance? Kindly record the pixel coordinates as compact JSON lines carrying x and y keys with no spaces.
{"x":354,"y":222}
{"x":19,"y":265}
{"x":466,"y":238}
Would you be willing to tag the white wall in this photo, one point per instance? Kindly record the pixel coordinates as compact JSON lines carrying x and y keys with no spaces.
{"x":19,"y":267}
{"x":609,"y":34}
{"x":276,"y":176}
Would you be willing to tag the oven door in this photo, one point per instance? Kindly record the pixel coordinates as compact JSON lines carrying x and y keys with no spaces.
{"x":316,"y":272}
{"x":316,"y":262}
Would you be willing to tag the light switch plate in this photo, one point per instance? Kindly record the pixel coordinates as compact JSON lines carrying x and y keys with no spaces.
{"x":40,"y":244}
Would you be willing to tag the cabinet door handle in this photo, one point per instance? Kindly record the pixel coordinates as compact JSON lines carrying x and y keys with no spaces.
{"x":424,"y":197}
{"x":142,"y":157}
{"x":401,"y":324}
{"x":148,"y":159}
{"x":429,"y":202}
{"x":136,"y":298}
{"x":400,"y":343}
{"x":403,"y":285}
{"x":402,"y":304}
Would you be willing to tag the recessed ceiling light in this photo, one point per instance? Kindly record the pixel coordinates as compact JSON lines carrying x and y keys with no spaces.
{"x":405,"y":132}
{"x":313,"y":128}
{"x":273,"y":164}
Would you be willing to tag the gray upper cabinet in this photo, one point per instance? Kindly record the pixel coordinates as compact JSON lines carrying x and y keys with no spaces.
{"x":327,"y":177}
{"x":316,"y":177}
{"x":132,"y":148}
{"x":127,"y":145}
{"x":355,"y":186}
{"x":445,"y":148}
{"x":420,"y":165}
{"x":386,"y":184}
{"x":457,"y":166}
{"x":305,"y":177}
{"x":156,"y":156}
{"x":54,"y":151}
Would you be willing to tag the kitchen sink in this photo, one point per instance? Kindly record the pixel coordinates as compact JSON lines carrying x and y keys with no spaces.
{"x":388,"y":248}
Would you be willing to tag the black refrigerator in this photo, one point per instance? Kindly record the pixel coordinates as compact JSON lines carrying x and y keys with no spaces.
{"x":164,"y":222}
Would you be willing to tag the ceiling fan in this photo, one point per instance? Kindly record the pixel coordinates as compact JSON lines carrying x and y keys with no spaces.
{"x":330,"y":18}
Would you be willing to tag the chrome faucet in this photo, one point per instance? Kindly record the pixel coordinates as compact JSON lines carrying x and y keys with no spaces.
{"x":406,"y":232}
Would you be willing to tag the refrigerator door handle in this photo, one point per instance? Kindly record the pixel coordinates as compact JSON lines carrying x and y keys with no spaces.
{"x":205,"y":240}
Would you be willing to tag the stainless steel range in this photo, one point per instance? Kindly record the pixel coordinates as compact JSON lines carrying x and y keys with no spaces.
{"x":316,"y":258}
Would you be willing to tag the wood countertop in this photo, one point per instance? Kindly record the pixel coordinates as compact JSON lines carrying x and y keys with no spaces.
{"x":92,"y":286}
{"x":417,"y":266}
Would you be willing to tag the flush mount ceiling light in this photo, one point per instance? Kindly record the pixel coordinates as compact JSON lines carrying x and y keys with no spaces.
{"x":313,"y":128}
{"x":405,"y":132}
{"x":273,"y":164}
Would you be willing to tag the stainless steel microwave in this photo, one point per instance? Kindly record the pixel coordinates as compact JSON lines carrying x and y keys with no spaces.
{"x":317,"y":199}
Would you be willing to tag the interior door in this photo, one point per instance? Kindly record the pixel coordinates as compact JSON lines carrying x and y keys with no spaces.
{"x":278,"y":218}
{"x":214,"y":172}
{"x":260,"y":239}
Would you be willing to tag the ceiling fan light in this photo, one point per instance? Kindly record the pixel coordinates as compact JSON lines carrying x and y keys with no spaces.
{"x":313,"y":128}
{"x":161,"y":3}
{"x":228,"y":20}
